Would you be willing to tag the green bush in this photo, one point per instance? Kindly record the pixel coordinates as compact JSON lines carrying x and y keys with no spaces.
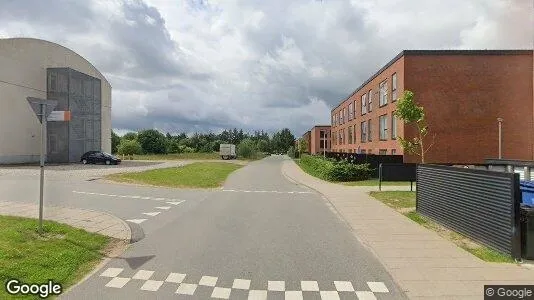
{"x":174,"y":147}
{"x":334,"y":171}
{"x":292,"y":152}
{"x":129,"y":147}
{"x":247,"y":149}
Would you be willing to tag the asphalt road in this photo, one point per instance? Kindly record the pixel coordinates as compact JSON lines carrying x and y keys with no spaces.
{"x":260,"y":235}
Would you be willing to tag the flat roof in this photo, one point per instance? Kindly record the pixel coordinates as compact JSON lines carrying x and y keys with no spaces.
{"x":436,"y":52}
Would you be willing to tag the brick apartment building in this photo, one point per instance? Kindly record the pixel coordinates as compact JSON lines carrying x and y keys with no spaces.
{"x":463,"y":92}
{"x":318,"y":139}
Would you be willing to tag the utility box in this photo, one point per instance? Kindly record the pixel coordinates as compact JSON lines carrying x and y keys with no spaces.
{"x":227,"y":151}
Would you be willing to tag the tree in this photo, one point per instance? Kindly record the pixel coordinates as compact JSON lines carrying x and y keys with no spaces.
{"x":262,"y":145}
{"x":303,"y":146}
{"x":115,"y":141}
{"x":152,"y":141}
{"x":408,"y":111}
{"x":130,"y":136}
{"x":246,"y":149}
{"x":129,"y":147}
{"x":284,"y":140}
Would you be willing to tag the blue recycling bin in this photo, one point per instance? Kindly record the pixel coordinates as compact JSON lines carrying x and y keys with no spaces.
{"x":527,"y":192}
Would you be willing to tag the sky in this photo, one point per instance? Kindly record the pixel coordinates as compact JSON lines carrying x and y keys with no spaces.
{"x":200,"y":65}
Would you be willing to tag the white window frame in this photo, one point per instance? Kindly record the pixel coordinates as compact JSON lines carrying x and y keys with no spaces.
{"x":363,"y":131}
{"x":394,"y":87}
{"x":393,"y":126}
{"x":383,"y":94}
{"x":370,"y":100}
{"x":369,"y":130}
{"x":383,"y":124}
{"x":363,"y":98}
{"x":351,"y":111}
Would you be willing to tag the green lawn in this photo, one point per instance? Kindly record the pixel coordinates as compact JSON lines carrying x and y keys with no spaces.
{"x":178,"y":156}
{"x":195,"y":175}
{"x":374,"y":182}
{"x":404,"y":202}
{"x":63,"y":254}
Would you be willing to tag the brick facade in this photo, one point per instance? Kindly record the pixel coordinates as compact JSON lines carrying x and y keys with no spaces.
{"x":463,"y":93}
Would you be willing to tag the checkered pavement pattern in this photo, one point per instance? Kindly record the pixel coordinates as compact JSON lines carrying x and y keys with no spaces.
{"x":182,"y":286}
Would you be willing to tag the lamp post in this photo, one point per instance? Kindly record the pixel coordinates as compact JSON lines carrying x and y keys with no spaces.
{"x":500,"y":137}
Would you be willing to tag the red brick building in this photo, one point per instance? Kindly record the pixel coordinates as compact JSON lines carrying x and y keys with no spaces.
{"x":320,"y":139}
{"x":307,"y":137}
{"x":463,"y":92}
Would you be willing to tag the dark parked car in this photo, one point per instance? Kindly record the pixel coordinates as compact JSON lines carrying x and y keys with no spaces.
{"x":95,"y":157}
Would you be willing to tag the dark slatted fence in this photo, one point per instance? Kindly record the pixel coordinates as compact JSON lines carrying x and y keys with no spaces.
{"x":483,"y":205}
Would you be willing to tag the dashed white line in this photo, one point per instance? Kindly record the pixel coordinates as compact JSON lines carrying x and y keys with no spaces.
{"x":163,"y":207}
{"x":136,"y":221}
{"x":175,"y":203}
{"x":152,"y":214}
{"x":274,"y":192}
{"x":130,"y":196}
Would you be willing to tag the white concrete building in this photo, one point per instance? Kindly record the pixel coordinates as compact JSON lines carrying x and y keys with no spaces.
{"x":42,"y":69}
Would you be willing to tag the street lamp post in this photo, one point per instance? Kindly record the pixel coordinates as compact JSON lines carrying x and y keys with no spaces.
{"x":500,"y":137}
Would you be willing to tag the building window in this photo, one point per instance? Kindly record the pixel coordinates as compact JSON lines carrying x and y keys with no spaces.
{"x":393,"y":126}
{"x":369,"y":151}
{"x":333,"y":121}
{"x":350,"y":134}
{"x":383,"y":152}
{"x":369,"y":130}
{"x":393,"y":151}
{"x":351,"y":111}
{"x":322,"y":134}
{"x":364,"y":131}
{"x":346,"y":114}
{"x":370,"y":96}
{"x":355,"y":108}
{"x":383,"y":127}
{"x":364,"y":104}
{"x":394,"y":87}
{"x":342,"y":115}
{"x":383,"y":94}
{"x":355,"y":130}
{"x":362,"y":151}
{"x":338,"y":120}
{"x":321,"y":144}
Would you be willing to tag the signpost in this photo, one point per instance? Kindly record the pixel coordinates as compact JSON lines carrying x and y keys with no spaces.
{"x":42,"y":108}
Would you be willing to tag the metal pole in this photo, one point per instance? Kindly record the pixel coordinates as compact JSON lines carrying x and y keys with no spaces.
{"x":42,"y":163}
{"x":500,"y":137}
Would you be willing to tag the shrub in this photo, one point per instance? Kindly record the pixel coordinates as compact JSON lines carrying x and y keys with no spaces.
{"x":174,"y":147}
{"x":291,"y":152}
{"x":247,"y":149}
{"x":334,"y":171}
{"x":152,"y":141}
{"x":129,"y":147}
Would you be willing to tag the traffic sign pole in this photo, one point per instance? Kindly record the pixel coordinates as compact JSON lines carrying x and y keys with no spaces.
{"x":42,"y":164}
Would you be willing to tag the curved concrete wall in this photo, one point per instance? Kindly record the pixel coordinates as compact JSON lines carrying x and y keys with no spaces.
{"x":23,"y":65}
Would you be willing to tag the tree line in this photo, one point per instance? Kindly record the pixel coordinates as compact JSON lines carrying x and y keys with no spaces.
{"x":151,"y":141}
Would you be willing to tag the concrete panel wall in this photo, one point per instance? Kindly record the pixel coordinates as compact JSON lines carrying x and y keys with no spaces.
{"x":23,"y":74}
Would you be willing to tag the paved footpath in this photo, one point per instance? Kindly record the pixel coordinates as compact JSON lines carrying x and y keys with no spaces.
{"x":425,"y":265}
{"x":90,"y":220}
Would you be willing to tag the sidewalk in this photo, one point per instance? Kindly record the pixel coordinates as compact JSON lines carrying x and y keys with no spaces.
{"x":424,"y":265}
{"x":90,"y":220}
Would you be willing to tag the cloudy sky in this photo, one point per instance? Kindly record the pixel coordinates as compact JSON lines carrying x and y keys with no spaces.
{"x":200,"y":65}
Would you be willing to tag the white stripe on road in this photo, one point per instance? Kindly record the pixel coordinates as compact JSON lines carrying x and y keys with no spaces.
{"x":275,"y":192}
{"x":131,"y":196}
{"x":152,"y":214}
{"x":176,"y":203}
{"x":136,"y":221}
{"x":163,"y":207}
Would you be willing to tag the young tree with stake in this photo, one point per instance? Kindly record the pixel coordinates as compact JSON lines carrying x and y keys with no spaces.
{"x":410,"y":113}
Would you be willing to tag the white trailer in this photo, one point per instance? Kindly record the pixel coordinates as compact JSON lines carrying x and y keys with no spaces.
{"x":227,"y":151}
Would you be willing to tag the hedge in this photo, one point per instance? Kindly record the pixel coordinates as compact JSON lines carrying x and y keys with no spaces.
{"x":331,"y":170}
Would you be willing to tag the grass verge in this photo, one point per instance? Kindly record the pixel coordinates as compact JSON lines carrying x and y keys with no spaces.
{"x":404,"y":202}
{"x":178,"y":156}
{"x":374,"y":182}
{"x":195,"y":175}
{"x":63,"y":254}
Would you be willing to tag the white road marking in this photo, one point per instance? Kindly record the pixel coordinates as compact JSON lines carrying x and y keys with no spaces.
{"x":365,"y":295}
{"x":176,"y":203}
{"x":112,"y":272}
{"x":221,"y":293}
{"x":344,"y":286}
{"x":175,"y":278}
{"x":309,"y":286}
{"x":186,"y":289}
{"x":241,"y":284}
{"x":151,"y":285}
{"x":208,"y":281}
{"x":163,"y":207}
{"x":257,"y":295}
{"x":279,"y":286}
{"x":329,"y":295}
{"x":275,"y":192}
{"x":143,"y":275}
{"x":159,"y":198}
{"x":136,"y":221}
{"x":294,"y":295}
{"x":378,"y":287}
{"x":145,"y":198}
{"x":152,"y":214}
{"x":135,"y":197}
{"x":128,"y":196}
{"x":117,"y":282}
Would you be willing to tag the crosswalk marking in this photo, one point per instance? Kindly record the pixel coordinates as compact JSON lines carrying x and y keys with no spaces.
{"x":178,"y":201}
{"x":152,"y":214}
{"x":136,"y":221}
